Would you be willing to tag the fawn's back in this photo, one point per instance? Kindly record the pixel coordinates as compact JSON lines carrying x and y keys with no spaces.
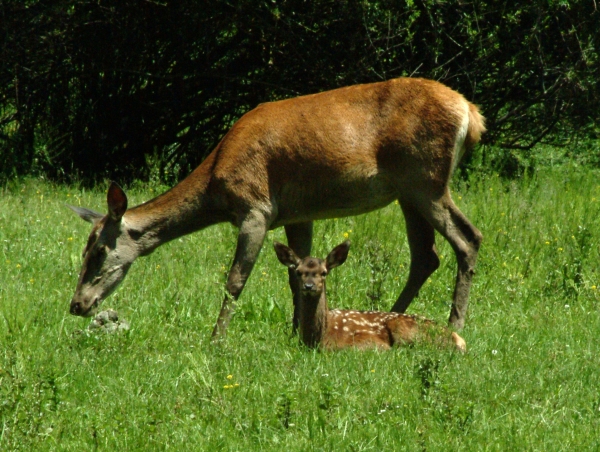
{"x":367,"y":329}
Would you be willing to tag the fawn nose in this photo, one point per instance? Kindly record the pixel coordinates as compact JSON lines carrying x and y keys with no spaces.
{"x":308,"y":286}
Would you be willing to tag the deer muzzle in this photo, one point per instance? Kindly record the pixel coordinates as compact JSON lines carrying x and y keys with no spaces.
{"x":79,"y":307}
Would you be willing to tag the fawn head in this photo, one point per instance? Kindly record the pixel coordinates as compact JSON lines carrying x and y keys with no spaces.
{"x":109,"y":252}
{"x":310,"y":271}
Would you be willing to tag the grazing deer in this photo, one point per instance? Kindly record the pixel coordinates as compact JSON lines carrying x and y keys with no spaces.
{"x":335,"y":329}
{"x":287,"y":163}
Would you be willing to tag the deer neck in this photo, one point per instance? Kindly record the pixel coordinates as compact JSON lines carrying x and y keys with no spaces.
{"x":185,"y":208}
{"x":313,"y":319}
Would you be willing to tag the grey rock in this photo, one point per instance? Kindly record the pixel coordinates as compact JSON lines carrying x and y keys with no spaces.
{"x":108,"y":322}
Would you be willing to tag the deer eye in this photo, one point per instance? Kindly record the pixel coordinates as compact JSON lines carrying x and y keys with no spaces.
{"x":324,"y":274}
{"x":298,"y":273}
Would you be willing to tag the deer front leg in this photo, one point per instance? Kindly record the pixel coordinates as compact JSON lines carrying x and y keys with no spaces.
{"x":299,"y":238}
{"x":250,"y":240}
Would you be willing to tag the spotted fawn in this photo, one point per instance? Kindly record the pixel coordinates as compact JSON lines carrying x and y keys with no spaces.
{"x":336,"y":329}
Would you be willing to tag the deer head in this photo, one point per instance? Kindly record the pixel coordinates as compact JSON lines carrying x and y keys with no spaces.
{"x":310,"y":271}
{"x":109,"y":252}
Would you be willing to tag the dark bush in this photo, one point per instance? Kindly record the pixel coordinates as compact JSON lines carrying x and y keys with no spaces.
{"x":132,"y":89}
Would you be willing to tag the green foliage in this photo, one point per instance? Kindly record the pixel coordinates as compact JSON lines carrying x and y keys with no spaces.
{"x":529,"y":381}
{"x":128,"y":89}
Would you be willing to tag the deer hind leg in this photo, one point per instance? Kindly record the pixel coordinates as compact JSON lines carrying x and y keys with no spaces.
{"x":465,"y":239}
{"x":250,"y":240}
{"x":423,"y":256}
{"x":299,"y":238}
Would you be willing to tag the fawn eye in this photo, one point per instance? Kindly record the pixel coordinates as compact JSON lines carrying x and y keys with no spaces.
{"x":324,"y":274}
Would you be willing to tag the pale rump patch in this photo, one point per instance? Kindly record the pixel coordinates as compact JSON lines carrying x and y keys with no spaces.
{"x":461,"y":136}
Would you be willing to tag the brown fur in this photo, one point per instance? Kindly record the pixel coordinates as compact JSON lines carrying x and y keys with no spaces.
{"x":336,"y":329}
{"x":288,"y":163}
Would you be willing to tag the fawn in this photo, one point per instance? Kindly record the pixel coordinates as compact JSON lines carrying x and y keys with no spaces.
{"x":335,"y":329}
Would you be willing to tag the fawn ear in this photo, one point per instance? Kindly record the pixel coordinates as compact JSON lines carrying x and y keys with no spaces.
{"x":338,"y":255}
{"x":117,"y":201}
{"x":285,"y":255}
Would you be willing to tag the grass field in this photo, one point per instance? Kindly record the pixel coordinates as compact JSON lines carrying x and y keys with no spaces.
{"x":530,"y":381}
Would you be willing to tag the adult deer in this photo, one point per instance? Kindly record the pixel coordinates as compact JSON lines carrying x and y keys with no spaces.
{"x":287,"y":163}
{"x":337,"y":329}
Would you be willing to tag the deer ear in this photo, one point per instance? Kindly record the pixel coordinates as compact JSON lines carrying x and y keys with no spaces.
{"x":286,"y":255}
{"x":338,"y":255}
{"x":117,"y":201}
{"x":86,"y":214}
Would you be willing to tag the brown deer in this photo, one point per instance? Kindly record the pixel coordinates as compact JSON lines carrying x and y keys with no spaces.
{"x":335,"y":329}
{"x":287,"y":163}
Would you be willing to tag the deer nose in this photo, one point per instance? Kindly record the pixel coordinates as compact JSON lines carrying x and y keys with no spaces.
{"x":75,"y":308}
{"x":308,"y":286}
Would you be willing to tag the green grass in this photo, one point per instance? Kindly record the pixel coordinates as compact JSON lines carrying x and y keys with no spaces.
{"x":530,"y":381}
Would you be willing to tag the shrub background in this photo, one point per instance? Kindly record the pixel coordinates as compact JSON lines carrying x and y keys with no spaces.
{"x":133,"y":89}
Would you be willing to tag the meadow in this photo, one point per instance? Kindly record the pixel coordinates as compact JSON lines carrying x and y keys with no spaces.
{"x":530,"y":380}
